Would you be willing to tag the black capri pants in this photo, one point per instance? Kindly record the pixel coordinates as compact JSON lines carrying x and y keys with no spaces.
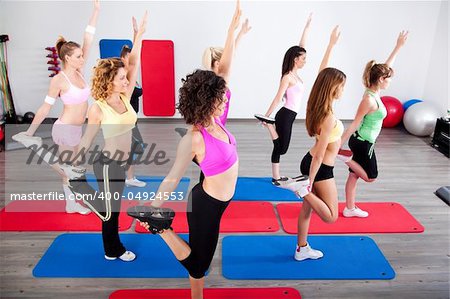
{"x":284,"y":120}
{"x":105,"y":202}
{"x":204,"y":223}
{"x":364,"y":155}
{"x":325,"y":172}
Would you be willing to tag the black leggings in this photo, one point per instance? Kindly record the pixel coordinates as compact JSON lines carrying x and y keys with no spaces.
{"x":105,"y":202}
{"x":284,"y":120}
{"x":204,"y":223}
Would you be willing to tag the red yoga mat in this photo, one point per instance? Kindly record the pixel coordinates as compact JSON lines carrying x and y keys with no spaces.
{"x":219,"y":293}
{"x":384,"y":217}
{"x":238,"y":217}
{"x":158,"y":77}
{"x":51,"y":216}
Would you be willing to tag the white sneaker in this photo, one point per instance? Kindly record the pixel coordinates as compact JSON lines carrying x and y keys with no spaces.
{"x":128,"y":256}
{"x":303,"y":253}
{"x":344,"y":155}
{"x":27,"y":140}
{"x":74,"y":207}
{"x":134,"y":182}
{"x":72,"y":172}
{"x":296,"y":184}
{"x":355,"y":212}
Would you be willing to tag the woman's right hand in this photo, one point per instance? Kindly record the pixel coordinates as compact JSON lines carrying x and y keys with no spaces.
{"x":402,"y":37}
{"x":96,"y":5}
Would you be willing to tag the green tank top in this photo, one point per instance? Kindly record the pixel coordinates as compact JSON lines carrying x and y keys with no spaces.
{"x":370,"y":127}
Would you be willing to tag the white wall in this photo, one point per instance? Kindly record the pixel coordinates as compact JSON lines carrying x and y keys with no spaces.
{"x":369,"y":31}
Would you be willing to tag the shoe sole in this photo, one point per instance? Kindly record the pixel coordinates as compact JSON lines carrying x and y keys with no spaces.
{"x":145,"y":214}
{"x":300,"y":178}
{"x":308,"y":258}
{"x":265,"y":120}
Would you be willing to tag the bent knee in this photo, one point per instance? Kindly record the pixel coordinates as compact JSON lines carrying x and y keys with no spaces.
{"x":330,"y":219}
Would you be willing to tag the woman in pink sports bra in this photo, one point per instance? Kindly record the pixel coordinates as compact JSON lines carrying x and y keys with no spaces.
{"x":74,"y":92}
{"x":291,"y":89}
{"x":202,"y":101}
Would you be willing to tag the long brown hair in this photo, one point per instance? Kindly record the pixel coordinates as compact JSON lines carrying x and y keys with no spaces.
{"x":374,"y":71}
{"x":102,"y":80}
{"x":324,"y":91}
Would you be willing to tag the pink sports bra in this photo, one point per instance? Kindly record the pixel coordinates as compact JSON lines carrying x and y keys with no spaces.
{"x":224,"y":116}
{"x":219,"y":155}
{"x":75,"y":95}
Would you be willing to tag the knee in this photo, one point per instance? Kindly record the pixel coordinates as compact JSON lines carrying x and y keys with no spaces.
{"x":370,"y":180}
{"x":330,"y":219}
{"x":196,"y":268}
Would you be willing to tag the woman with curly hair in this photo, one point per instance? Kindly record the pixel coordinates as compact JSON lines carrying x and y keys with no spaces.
{"x":70,"y":86}
{"x":202,"y":102}
{"x":112,"y":112}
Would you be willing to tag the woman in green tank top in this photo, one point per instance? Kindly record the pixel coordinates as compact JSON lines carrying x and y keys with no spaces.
{"x":365,"y":128}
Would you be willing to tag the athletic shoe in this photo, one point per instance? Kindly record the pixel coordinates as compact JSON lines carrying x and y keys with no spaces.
{"x":355,"y":212}
{"x":345,"y":155}
{"x":128,"y":256}
{"x":75,"y":207}
{"x":158,"y":219}
{"x":27,"y":140}
{"x":72,"y":172}
{"x":134,"y":182}
{"x":265,"y":119}
{"x":297,"y":183}
{"x":306,"y":252}
{"x":280,"y":182}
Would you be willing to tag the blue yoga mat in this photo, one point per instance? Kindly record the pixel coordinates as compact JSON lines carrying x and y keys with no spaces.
{"x":113,"y":47}
{"x":272,"y":257}
{"x":144,"y":193}
{"x":82,"y":255}
{"x":261,"y":189}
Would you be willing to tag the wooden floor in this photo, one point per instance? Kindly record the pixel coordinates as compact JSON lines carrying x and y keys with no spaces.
{"x":410,"y":171}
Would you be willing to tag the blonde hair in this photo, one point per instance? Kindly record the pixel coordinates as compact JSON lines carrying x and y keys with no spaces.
{"x":210,"y":56}
{"x":64,"y":48}
{"x":324,"y":91}
{"x":102,"y":80}
{"x":374,"y":71}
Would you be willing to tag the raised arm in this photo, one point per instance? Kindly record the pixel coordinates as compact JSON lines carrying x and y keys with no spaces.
{"x":401,"y":40}
{"x":305,"y":32}
{"x":135,"y":55}
{"x":185,"y":154}
{"x":333,"y":40}
{"x":284,"y":84}
{"x":90,"y":30}
{"x":95,"y":116}
{"x":228,"y":50}
{"x":245,"y":28}
{"x":42,"y":112}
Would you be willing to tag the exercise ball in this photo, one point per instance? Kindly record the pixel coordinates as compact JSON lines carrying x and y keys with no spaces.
{"x":420,"y":119}
{"x":409,"y":103}
{"x":394,"y":111}
{"x":28,"y":117}
{"x":19,"y":119}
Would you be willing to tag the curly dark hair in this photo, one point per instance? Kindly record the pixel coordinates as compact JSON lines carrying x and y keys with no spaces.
{"x":199,"y":96}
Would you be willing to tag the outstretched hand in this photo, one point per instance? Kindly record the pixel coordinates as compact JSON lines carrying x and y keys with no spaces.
{"x":236,"y":17}
{"x":402,"y":37}
{"x":308,"y":21}
{"x":335,"y":34}
{"x":245,"y":27}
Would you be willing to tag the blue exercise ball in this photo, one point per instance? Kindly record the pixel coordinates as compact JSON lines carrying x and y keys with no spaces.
{"x":409,"y":103}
